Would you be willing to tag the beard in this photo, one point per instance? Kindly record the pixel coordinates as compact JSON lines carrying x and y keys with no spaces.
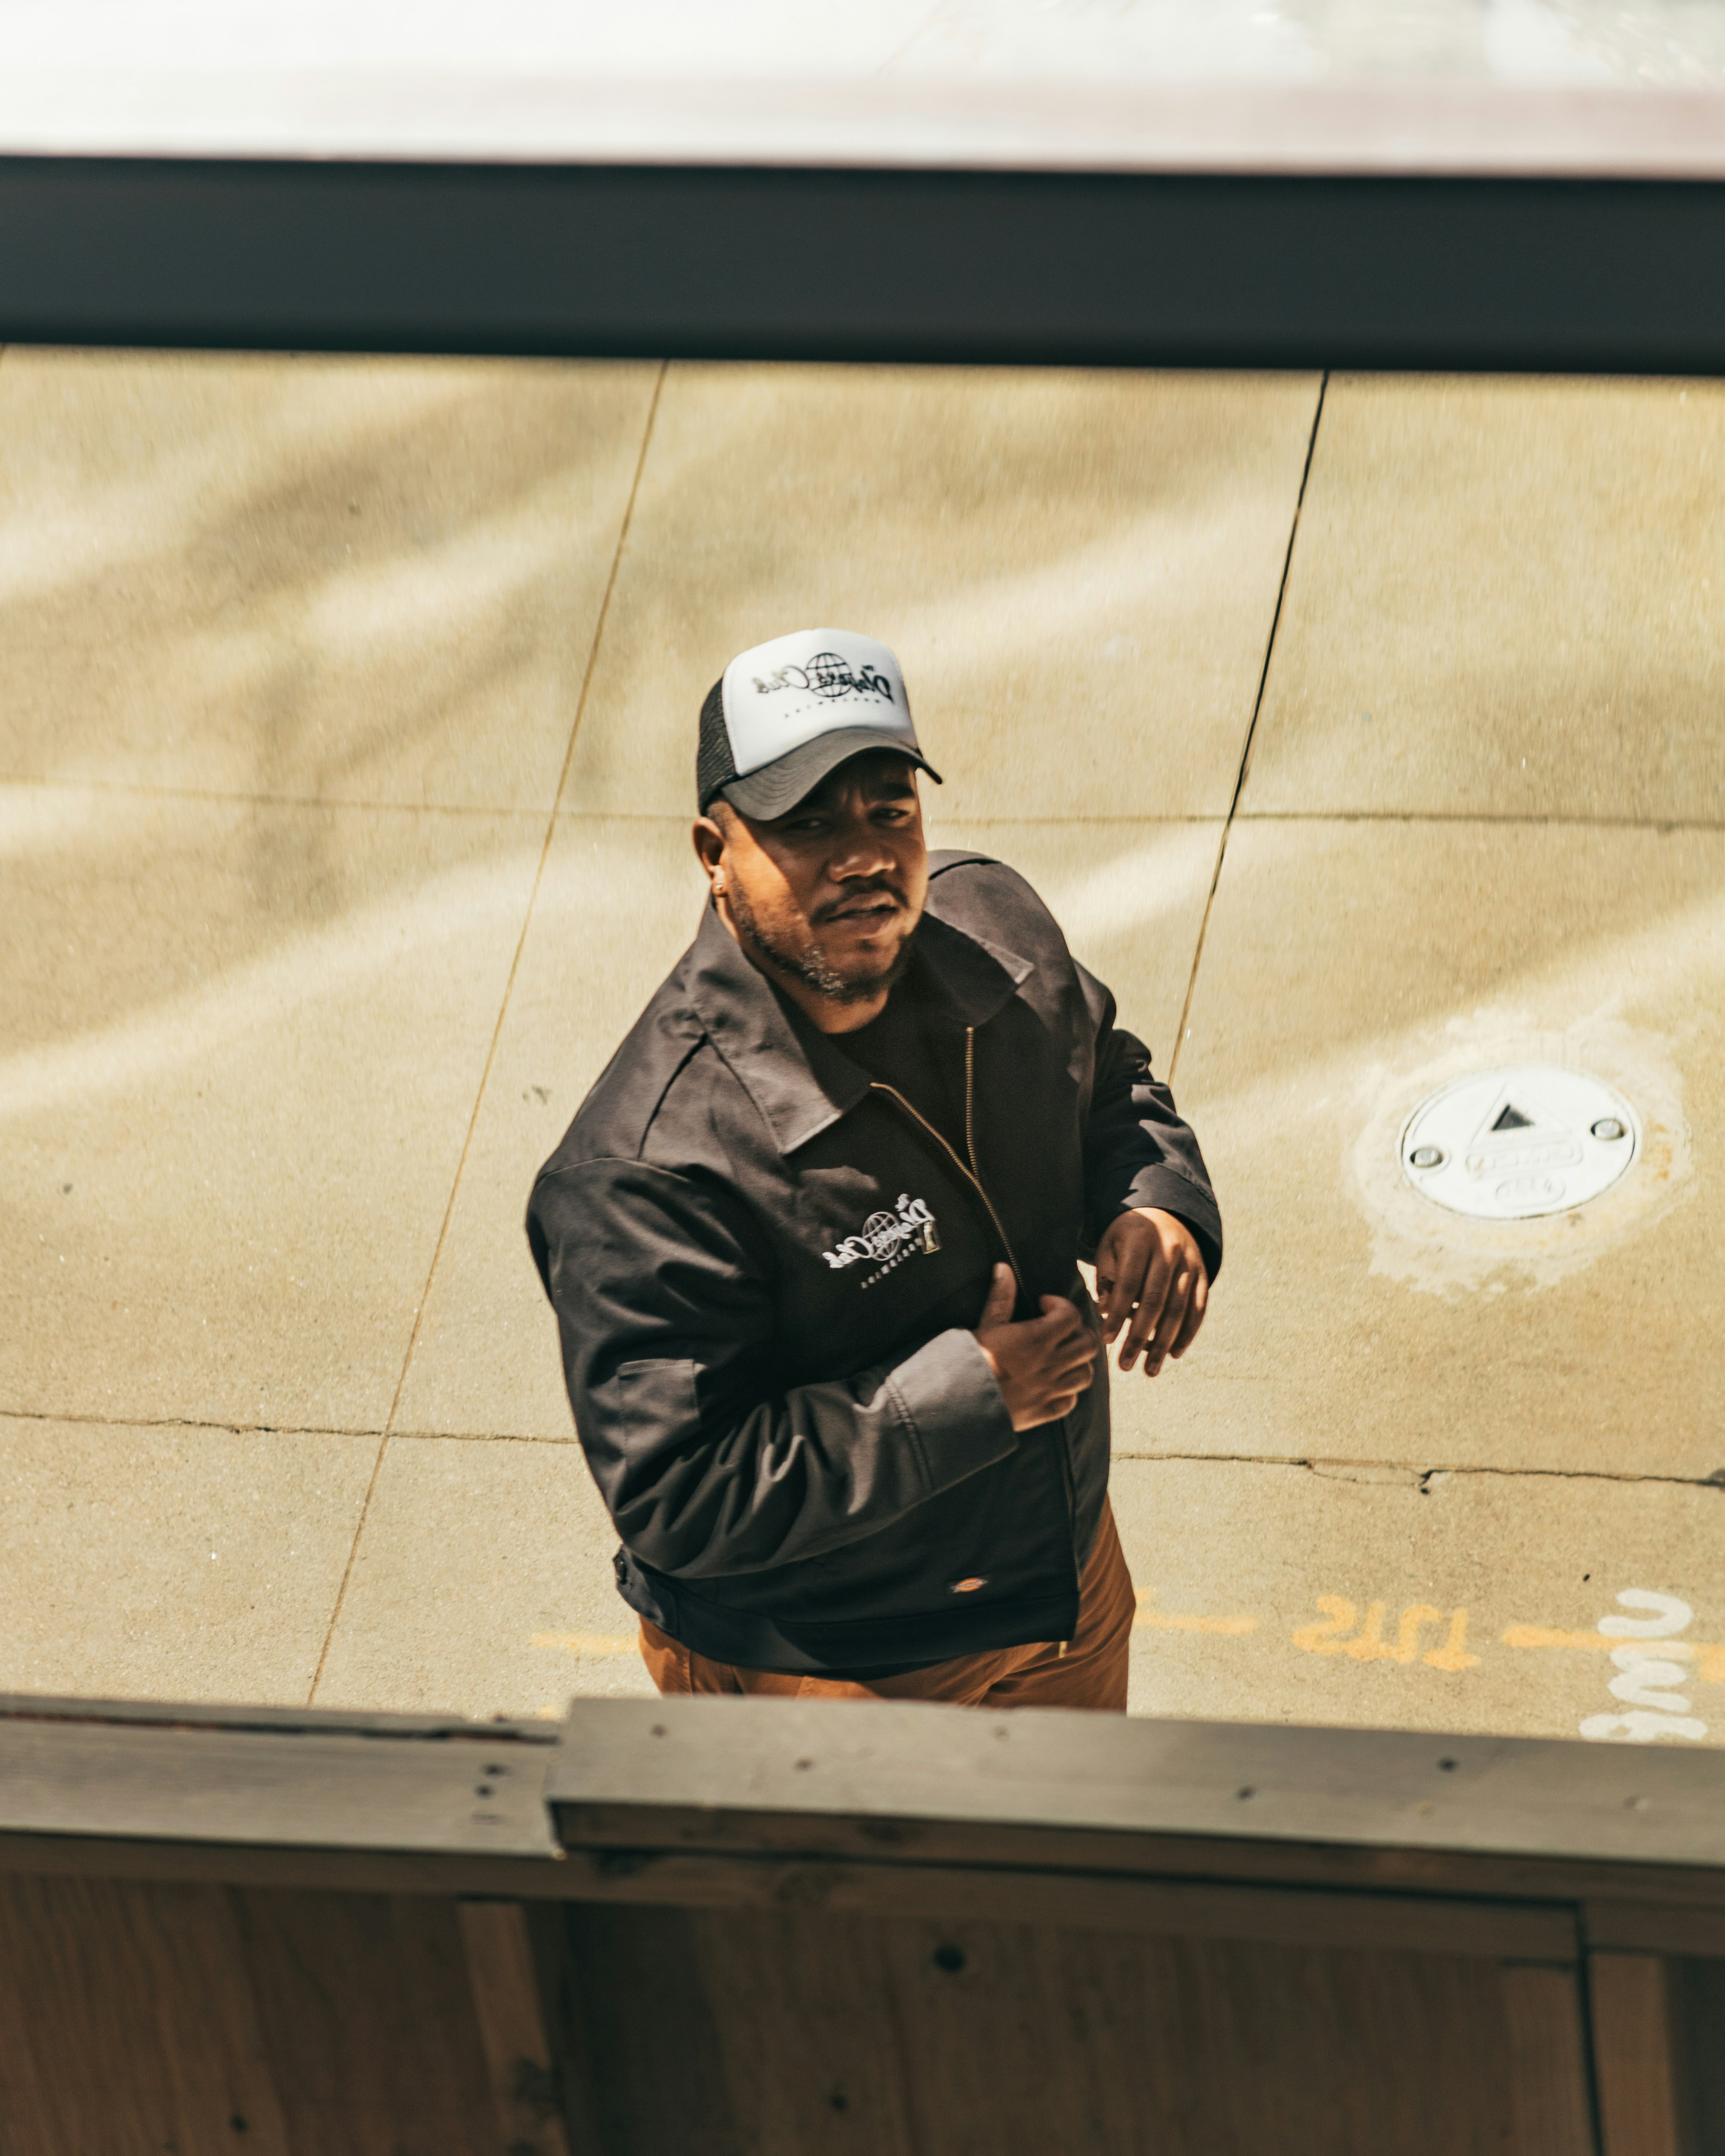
{"x":808,"y":964}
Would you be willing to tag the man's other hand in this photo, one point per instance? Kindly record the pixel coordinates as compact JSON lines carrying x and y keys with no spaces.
{"x":1042,"y":1365}
{"x":1151,"y":1278}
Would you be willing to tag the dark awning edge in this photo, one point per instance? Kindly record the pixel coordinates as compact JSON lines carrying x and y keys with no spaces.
{"x":727,"y":262}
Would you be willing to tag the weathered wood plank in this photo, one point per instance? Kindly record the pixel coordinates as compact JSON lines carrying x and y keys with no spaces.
{"x":244,"y":1864}
{"x":1367,"y":1788}
{"x":368,"y":2023}
{"x":1550,"y":2096}
{"x":1435,"y":1924}
{"x":645,"y":2063}
{"x":503,"y":1973}
{"x":1636,"y":2068}
{"x":320,"y":1721}
{"x":621,"y":1828}
{"x":537,"y":1878}
{"x":1698,"y":2001}
{"x":1332,"y":1809}
{"x":354,"y":1790}
{"x":127,"y":2021}
{"x":1630,"y":1926}
{"x":816,"y":2034}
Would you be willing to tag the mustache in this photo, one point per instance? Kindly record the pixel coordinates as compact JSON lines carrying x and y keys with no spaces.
{"x":876,"y":888}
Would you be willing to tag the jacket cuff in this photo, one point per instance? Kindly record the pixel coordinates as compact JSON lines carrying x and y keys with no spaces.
{"x":945,"y":1392}
{"x":1170,"y":1192}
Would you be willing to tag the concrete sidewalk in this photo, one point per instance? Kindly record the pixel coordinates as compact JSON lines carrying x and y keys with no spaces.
{"x":344,"y":775}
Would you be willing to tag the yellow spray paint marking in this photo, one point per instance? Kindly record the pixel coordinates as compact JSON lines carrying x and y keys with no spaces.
{"x":1329,"y":1636}
{"x":586,"y":1643}
{"x":1322,"y":1639}
{"x":1709,"y":1655}
{"x":1369,"y":1645}
{"x":1453,"y":1655}
{"x":1159,"y":1620}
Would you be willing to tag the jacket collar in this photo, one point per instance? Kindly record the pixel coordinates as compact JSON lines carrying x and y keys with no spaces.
{"x":800,"y":1080}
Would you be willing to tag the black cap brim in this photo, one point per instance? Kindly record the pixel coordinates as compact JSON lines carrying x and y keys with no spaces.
{"x":777,"y":788}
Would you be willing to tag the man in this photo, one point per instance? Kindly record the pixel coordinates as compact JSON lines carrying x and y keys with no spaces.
{"x":812,"y":1239}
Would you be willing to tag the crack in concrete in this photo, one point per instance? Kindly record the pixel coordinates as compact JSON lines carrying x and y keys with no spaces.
{"x":187,"y":1422}
{"x":1246,"y":753}
{"x":238,"y":1429}
{"x":1391,"y":1471}
{"x":1362,"y":1472}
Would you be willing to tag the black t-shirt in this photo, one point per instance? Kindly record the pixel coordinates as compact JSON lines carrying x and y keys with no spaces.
{"x":919,"y":1053}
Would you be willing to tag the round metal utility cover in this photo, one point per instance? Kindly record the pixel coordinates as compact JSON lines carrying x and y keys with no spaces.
{"x":1516,"y":1143}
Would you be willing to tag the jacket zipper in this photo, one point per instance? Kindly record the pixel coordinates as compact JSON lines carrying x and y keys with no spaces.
{"x":969,"y":1173}
{"x":973,"y":1175}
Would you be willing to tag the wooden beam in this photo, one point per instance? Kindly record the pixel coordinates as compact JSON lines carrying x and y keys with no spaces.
{"x":128,"y":2020}
{"x":368,"y":2022}
{"x":1549,"y":2077}
{"x":945,"y":1783}
{"x":428,"y":1807}
{"x":312,"y":1788}
{"x":1635,"y":2056}
{"x":1686,"y":1890}
{"x":1186,"y":1909}
{"x":526,"y":2084}
{"x":1659,"y":1928}
{"x":217,"y":1862}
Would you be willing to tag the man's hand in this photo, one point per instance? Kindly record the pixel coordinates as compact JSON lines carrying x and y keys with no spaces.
{"x":1041,"y":1366}
{"x":1149,"y":1269}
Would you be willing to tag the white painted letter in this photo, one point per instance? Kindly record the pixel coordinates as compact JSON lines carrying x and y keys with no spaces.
{"x":1671,"y":1616}
{"x":1639,"y":1728}
{"x":1641,"y":1672}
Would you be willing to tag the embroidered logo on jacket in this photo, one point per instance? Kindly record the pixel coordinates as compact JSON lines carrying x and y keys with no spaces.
{"x":887,"y":1240}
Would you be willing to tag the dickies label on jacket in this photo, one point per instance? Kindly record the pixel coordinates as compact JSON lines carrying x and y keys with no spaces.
{"x":766,"y":1269}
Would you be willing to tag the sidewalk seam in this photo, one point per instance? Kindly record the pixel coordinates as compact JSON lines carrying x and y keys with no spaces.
{"x":1245,"y":753}
{"x":550,"y":827}
{"x":1553,"y":819}
{"x":239,"y":797}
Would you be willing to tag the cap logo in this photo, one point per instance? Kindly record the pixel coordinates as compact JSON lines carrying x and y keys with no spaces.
{"x":828,"y":674}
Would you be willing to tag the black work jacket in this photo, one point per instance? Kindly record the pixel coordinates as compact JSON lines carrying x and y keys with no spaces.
{"x":766,"y":1269}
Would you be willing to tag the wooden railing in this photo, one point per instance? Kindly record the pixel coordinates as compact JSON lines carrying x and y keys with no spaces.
{"x":763,"y":1928}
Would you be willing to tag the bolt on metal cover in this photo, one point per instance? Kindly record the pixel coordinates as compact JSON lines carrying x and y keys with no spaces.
{"x":1519,"y":1141}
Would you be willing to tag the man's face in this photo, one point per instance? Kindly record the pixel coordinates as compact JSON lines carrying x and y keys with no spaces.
{"x":826,"y":897}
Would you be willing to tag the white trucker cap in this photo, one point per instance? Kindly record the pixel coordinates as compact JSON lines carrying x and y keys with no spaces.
{"x":784,"y":714}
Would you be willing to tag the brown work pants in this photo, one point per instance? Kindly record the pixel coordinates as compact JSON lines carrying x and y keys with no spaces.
{"x":1091,"y":1672}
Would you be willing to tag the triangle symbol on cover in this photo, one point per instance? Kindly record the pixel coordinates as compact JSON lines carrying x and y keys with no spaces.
{"x":1511,"y":1126}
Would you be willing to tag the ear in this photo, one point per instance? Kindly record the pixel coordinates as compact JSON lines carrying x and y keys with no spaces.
{"x":709,"y":839}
